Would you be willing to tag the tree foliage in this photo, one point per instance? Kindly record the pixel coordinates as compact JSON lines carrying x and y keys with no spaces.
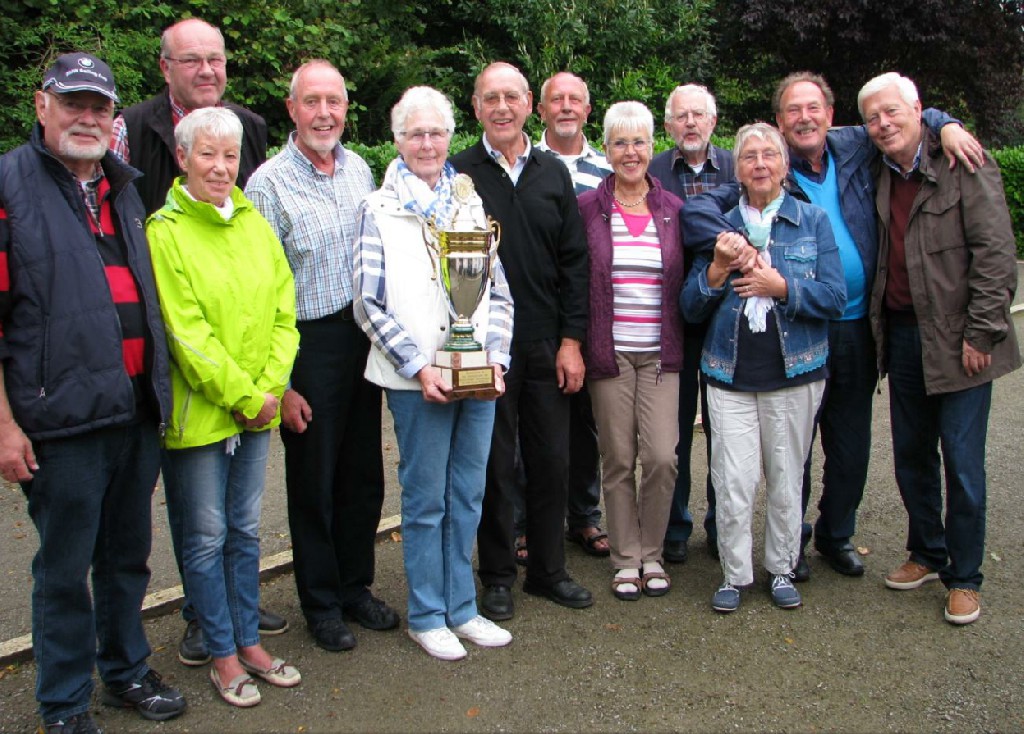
{"x":966,"y":57}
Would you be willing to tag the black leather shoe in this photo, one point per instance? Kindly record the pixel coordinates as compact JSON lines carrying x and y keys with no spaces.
{"x":332,"y":635}
{"x":192,"y":648}
{"x":567,"y":593}
{"x":675,"y":551}
{"x":713,"y":548}
{"x":843,"y":559}
{"x":802,"y":572}
{"x":496,"y":603}
{"x":372,"y":613}
{"x":272,"y":624}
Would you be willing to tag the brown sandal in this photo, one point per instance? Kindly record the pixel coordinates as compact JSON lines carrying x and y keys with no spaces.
{"x":648,"y":577}
{"x":589,"y":542}
{"x":522,"y":554}
{"x":626,"y":595}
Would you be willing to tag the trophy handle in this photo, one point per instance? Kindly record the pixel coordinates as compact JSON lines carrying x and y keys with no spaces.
{"x":495,"y":228}
{"x":430,"y":240}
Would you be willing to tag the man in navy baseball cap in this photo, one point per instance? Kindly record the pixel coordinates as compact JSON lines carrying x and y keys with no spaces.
{"x":82,"y":435}
{"x":80,"y":72}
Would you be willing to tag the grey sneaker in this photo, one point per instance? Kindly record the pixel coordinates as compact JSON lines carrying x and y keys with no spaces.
{"x":150,"y":696}
{"x":784,"y":594}
{"x":726,"y":599}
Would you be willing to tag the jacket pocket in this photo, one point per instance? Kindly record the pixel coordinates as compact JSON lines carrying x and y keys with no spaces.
{"x":942,"y":225}
{"x":801,"y":258}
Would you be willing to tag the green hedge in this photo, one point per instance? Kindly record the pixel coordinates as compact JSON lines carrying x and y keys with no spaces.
{"x":1010,"y":160}
{"x":1011,"y":165}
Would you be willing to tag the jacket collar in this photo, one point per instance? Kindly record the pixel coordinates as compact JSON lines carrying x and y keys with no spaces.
{"x":118,"y":173}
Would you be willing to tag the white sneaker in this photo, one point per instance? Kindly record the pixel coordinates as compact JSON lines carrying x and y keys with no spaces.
{"x":440,"y":643}
{"x":483,"y":632}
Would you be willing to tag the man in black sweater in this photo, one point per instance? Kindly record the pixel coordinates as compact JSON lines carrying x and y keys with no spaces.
{"x":194,"y":65}
{"x":544,"y":252}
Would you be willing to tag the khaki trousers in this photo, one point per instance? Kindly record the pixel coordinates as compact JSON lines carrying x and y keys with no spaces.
{"x":636,"y":416}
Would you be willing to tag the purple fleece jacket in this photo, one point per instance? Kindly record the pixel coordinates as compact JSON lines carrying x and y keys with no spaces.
{"x":596,"y":209}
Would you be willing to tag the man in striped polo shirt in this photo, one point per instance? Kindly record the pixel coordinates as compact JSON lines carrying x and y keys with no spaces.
{"x":564,"y":107}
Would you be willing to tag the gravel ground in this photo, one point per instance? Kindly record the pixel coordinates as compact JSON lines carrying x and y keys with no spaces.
{"x":856,"y":657}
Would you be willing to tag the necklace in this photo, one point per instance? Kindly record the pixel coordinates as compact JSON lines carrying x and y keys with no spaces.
{"x":630,"y":205}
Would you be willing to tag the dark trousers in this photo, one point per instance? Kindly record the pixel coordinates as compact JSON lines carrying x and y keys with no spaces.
{"x":692,"y":389}
{"x":582,"y":509}
{"x":91,"y":503}
{"x":534,"y":408}
{"x":334,"y":471}
{"x":844,"y":420}
{"x":582,"y":505}
{"x":956,"y":422}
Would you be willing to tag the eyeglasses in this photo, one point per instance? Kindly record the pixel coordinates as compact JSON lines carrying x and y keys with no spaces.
{"x":192,"y":63}
{"x":621,"y":146}
{"x":100,"y":110}
{"x":493,"y":99}
{"x":697,"y":115}
{"x":418,"y":137}
{"x":768,"y":156}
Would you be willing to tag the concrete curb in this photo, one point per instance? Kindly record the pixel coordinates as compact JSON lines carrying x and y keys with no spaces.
{"x":19,"y":649}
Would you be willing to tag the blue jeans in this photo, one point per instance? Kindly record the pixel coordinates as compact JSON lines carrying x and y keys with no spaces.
{"x":220,"y":497}
{"x":91,"y":503}
{"x":443,"y":451}
{"x":845,"y":423}
{"x":957,"y":423}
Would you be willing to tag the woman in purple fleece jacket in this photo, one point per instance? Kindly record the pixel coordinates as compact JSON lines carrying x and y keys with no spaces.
{"x":634,"y":347}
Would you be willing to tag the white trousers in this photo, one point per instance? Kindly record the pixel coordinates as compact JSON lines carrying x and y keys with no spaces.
{"x":750,"y":432}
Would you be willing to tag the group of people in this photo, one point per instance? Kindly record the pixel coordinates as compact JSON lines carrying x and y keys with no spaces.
{"x":771,"y":285}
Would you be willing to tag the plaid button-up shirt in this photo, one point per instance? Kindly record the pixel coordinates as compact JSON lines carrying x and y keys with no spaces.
{"x":314,"y":216}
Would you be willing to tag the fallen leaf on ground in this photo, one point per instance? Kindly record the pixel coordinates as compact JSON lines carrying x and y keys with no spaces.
{"x":613,"y":627}
{"x":995,"y":556}
{"x":396,"y":537}
{"x":473,"y":712}
{"x":863,"y":550}
{"x":789,"y":640}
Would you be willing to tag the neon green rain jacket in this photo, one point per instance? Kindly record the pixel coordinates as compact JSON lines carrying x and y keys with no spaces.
{"x":228,"y":301}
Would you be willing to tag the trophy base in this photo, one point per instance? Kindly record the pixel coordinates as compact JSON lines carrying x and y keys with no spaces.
{"x":468,"y":373}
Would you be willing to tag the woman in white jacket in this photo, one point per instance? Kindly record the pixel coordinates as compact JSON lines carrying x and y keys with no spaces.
{"x":443,"y":441}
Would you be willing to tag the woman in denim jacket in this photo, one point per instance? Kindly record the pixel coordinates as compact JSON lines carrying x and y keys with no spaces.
{"x":764,"y":358}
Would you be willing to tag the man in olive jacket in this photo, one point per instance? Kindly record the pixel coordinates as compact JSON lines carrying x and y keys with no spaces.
{"x":940,"y":314}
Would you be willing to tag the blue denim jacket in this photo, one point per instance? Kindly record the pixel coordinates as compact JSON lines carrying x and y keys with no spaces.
{"x":852,"y":154}
{"x":804,"y":252}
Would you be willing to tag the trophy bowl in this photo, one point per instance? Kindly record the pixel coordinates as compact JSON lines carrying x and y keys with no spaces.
{"x":464,"y":254}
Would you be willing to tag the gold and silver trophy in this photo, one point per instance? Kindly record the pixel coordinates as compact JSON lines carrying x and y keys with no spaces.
{"x":464,"y":254}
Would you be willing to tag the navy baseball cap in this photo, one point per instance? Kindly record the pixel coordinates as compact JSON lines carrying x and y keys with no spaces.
{"x":80,"y":72}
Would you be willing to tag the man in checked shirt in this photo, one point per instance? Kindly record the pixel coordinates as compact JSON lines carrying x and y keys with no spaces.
{"x":692,"y":167}
{"x":331,"y":416}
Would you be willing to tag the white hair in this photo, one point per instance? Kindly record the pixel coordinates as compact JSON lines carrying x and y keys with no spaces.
{"x":907,"y":89}
{"x":421,"y":99}
{"x":709,"y":104}
{"x":297,"y":76}
{"x":628,"y":117}
{"x":216,"y":122}
{"x":761,"y":131}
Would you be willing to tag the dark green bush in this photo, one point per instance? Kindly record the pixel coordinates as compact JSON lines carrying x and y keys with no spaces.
{"x":1011,"y":164}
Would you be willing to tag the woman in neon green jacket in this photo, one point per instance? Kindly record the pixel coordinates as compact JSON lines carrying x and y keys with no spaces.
{"x":228,"y":300}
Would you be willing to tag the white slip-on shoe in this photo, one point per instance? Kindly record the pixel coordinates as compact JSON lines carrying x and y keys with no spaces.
{"x":440,"y":643}
{"x":483,"y":632}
